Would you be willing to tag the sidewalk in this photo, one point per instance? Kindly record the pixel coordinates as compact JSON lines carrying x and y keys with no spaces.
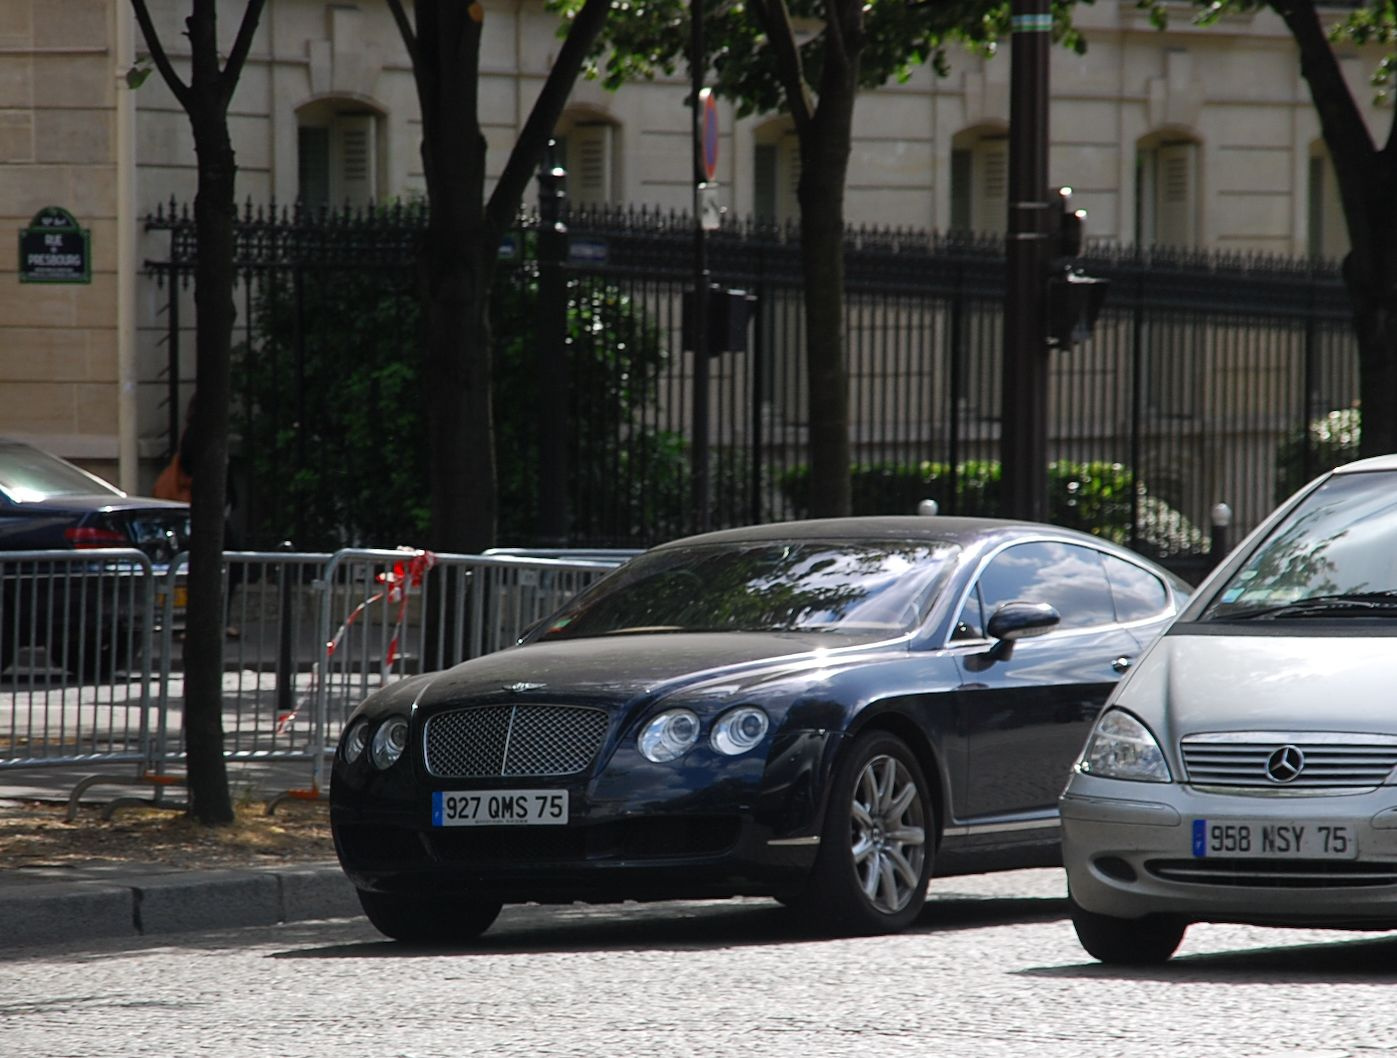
{"x":67,"y":902}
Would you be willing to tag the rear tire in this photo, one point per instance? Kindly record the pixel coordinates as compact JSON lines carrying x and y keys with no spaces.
{"x":877,"y":846}
{"x":1147,"y":941}
{"x":423,"y":920}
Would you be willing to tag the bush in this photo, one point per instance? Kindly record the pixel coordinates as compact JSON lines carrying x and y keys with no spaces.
{"x":334,"y":430}
{"x":1332,"y":440}
{"x":1095,"y":497}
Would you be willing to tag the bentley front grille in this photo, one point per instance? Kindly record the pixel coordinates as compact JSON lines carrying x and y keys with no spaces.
{"x":514,"y":741}
{"x":1306,"y":760}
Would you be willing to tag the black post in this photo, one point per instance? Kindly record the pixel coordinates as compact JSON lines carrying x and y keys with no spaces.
{"x":553,"y":513}
{"x":699,"y":326}
{"x":1024,"y":426}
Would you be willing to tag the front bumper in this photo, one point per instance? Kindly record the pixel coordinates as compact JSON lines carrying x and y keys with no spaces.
{"x":1128,"y":848}
{"x":636,"y":832}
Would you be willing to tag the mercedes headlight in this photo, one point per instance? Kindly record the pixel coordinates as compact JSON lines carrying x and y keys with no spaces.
{"x":389,"y":742}
{"x":669,"y":736}
{"x":1121,"y":747}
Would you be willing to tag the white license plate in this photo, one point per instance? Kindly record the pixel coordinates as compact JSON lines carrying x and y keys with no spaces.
{"x":493,"y":808}
{"x":1257,"y":840}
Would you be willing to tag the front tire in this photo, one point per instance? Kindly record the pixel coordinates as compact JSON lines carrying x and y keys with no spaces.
{"x":421,"y":920}
{"x":877,"y":845}
{"x":1147,"y":941}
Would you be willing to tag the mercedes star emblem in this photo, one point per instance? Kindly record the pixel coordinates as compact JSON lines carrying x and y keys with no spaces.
{"x":1285,"y":764}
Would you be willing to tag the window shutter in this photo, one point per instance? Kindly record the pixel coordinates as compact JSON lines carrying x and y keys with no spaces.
{"x":313,"y":166}
{"x":1176,"y":209}
{"x":788,"y":178}
{"x":356,"y":152}
{"x":991,"y":204}
{"x":962,"y":189}
{"x":590,"y":157}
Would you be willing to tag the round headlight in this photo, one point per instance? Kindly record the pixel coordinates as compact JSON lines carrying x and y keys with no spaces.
{"x":355,"y":739}
{"x":389,"y":742}
{"x":738,"y":730}
{"x":669,"y":735}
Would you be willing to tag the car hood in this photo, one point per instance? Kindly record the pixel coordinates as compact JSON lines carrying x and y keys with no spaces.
{"x":1197,"y":683}
{"x":623,"y":668}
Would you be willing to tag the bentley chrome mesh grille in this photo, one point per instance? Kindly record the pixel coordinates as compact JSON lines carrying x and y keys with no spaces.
{"x":513,"y":741}
{"x":1277,"y":760}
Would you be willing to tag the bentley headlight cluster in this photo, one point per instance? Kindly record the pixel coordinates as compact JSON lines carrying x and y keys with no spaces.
{"x":384,"y":748}
{"x":676,"y":731}
{"x":1121,"y":747}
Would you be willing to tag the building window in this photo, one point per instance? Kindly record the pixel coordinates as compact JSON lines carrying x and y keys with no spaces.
{"x":1166,"y":194}
{"x":337,"y":158}
{"x":1328,"y":230}
{"x":776,"y":176}
{"x":980,"y":182}
{"x":586,"y":149}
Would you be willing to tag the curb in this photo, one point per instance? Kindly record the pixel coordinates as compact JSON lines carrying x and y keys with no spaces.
{"x":45,"y":909}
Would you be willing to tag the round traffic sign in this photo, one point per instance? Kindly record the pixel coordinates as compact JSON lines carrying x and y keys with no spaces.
{"x":709,"y":129}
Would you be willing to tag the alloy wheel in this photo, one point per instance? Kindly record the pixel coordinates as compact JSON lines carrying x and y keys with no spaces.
{"x":888,"y":833}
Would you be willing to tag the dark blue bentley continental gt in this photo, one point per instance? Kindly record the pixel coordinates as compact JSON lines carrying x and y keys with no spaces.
{"x":824,"y":712}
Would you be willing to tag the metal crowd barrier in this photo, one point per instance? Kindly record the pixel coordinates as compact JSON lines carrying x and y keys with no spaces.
{"x":75,"y":634}
{"x":309,"y":635}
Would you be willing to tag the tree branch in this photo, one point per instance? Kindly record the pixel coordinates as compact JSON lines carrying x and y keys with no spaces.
{"x":775,"y":20}
{"x":233,"y":68}
{"x":1345,"y":132}
{"x":158,"y":55}
{"x":548,"y":107}
{"x":405,"y":30}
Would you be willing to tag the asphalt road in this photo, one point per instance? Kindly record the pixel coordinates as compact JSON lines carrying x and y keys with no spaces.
{"x":991,"y":970}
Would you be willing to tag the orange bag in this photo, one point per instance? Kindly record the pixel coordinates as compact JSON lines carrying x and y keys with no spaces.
{"x":173,"y":483}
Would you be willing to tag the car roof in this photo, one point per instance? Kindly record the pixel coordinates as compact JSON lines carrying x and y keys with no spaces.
{"x":1384,"y":462}
{"x":890,"y":527}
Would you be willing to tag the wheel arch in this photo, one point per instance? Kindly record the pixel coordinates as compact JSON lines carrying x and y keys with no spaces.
{"x":888,"y":718}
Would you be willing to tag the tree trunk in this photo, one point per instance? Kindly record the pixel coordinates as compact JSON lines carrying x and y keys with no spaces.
{"x":210,"y":802}
{"x":461,"y":474}
{"x":1373,"y":294}
{"x":824,"y":163}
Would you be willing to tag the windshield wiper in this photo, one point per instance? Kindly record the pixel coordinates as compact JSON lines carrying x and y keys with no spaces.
{"x":1359,"y":604}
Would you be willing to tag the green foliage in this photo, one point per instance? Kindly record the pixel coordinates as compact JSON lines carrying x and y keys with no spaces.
{"x":331,"y":413}
{"x":1332,"y":440}
{"x":645,"y":39}
{"x":1096,"y":497}
{"x":349,"y":467}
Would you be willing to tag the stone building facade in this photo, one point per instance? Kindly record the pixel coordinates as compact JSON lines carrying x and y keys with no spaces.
{"x":1191,"y":136}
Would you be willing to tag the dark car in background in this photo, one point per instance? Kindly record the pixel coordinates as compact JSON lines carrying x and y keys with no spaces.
{"x":79,"y":611}
{"x":825,"y":712}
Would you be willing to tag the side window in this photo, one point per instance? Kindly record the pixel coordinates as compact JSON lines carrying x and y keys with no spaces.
{"x":1138,"y":593}
{"x":971,"y":622}
{"x":1068,"y":577}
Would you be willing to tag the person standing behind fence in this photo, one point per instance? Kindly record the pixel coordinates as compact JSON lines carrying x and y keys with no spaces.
{"x":176,"y":482}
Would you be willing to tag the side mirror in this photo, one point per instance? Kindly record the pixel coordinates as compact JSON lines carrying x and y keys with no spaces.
{"x":1013,"y":621}
{"x":1019,"y":620}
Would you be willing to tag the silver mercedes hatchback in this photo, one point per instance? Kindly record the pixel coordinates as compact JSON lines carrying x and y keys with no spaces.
{"x":1246,"y":768}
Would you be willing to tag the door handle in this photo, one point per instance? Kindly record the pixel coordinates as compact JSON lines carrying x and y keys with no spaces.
{"x":1121,"y":663}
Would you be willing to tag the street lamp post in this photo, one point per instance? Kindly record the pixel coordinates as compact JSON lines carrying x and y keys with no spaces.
{"x":699,"y":323}
{"x":1024,"y":425}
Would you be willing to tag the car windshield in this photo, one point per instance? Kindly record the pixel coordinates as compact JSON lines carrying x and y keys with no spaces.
{"x":879,"y":587}
{"x":1334,"y":556}
{"x":28,"y":474}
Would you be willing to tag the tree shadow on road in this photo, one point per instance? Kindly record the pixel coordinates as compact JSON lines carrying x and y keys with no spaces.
{"x":681,"y":925}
